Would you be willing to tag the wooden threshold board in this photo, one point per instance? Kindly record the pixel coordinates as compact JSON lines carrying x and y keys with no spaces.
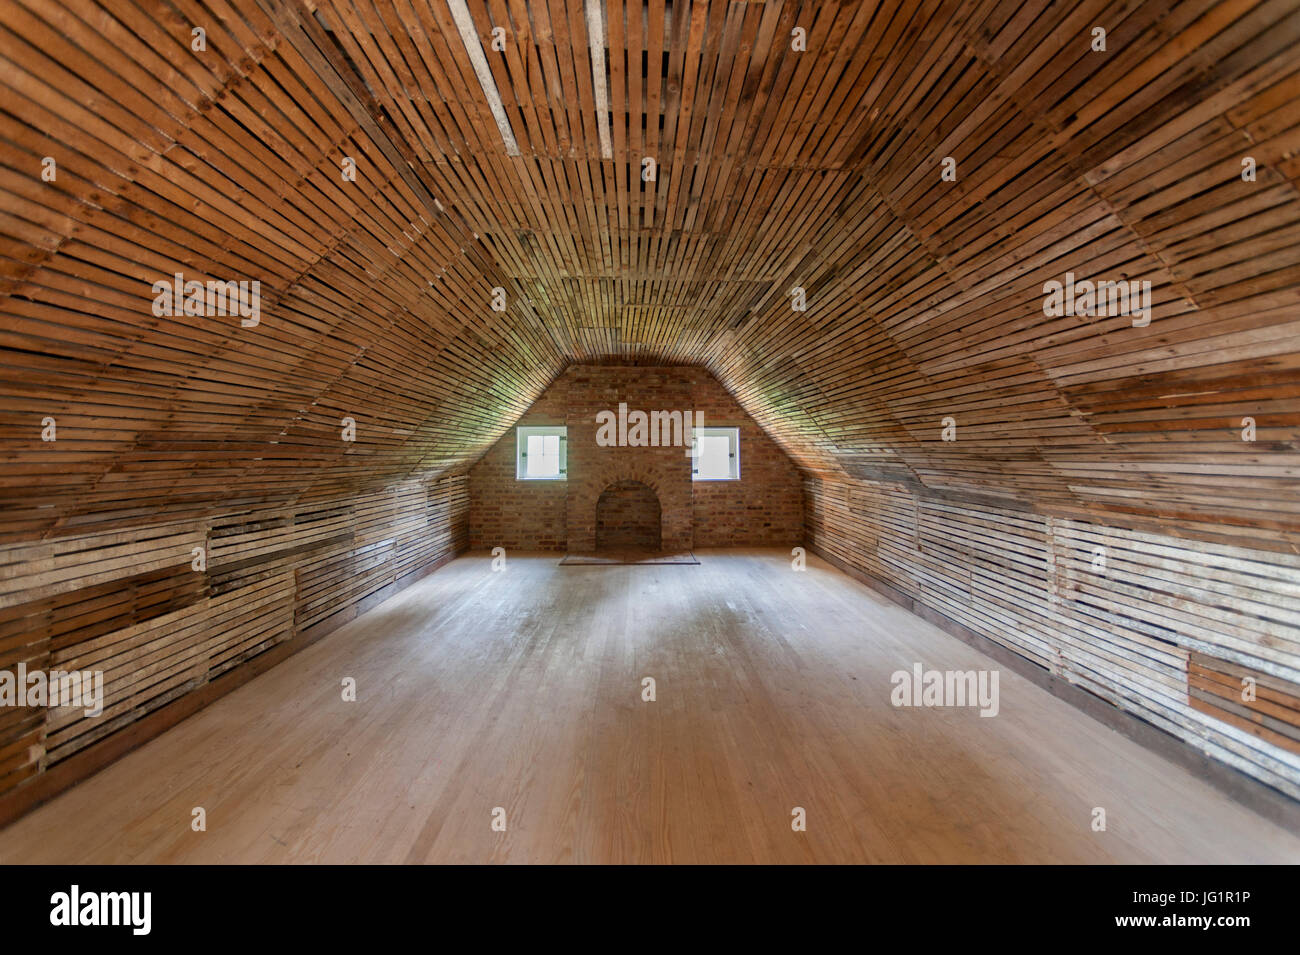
{"x":613,"y":558}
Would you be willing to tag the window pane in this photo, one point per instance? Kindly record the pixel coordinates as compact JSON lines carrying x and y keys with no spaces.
{"x":543,"y":455}
{"x":714,"y":461}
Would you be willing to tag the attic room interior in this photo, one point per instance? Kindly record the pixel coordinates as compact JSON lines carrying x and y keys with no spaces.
{"x":660,"y":432}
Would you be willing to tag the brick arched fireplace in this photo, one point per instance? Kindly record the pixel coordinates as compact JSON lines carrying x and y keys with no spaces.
{"x":670,"y":492}
{"x":628,"y":518}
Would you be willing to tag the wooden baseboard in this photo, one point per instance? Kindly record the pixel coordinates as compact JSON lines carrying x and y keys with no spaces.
{"x":1261,"y":798}
{"x":64,"y":775}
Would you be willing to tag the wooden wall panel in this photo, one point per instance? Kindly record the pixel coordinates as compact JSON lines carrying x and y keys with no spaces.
{"x":1116,"y":611}
{"x":1256,"y":702}
{"x":130,"y":605}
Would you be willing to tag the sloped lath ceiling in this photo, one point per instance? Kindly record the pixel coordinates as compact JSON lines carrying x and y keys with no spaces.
{"x":775,"y":168}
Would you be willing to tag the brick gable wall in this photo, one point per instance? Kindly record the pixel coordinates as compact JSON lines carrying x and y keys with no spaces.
{"x":763,"y":508}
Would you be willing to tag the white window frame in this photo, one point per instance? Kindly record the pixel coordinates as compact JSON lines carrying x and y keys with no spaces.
{"x":733,"y":436}
{"x":523,"y":433}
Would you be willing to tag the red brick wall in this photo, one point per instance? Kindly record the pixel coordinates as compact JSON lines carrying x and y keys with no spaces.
{"x":763,"y":508}
{"x":519,"y":515}
{"x":760,"y":509}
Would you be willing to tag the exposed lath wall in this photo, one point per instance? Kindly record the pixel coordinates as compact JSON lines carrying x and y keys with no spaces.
{"x":789,"y":146}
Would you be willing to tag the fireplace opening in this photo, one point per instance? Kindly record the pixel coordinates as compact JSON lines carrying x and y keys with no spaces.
{"x":628,"y":519}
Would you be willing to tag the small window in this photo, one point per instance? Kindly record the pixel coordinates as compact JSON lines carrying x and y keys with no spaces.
{"x":715,"y":454}
{"x":542,"y":454}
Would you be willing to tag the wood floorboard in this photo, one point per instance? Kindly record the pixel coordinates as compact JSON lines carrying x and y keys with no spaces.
{"x":521,"y":689}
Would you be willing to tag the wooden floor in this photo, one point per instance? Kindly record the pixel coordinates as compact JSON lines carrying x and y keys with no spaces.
{"x":521,"y":689}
